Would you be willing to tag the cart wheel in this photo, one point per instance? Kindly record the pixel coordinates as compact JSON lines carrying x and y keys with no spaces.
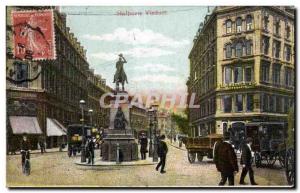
{"x":257,"y":158}
{"x":191,"y":157}
{"x":199,"y":157}
{"x":290,"y":166}
{"x":271,"y":159}
{"x":281,"y":158}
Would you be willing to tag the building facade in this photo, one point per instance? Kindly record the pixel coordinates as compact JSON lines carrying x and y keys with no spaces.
{"x":242,"y":68}
{"x":138,"y":120}
{"x":55,"y":94}
{"x":164,"y":121}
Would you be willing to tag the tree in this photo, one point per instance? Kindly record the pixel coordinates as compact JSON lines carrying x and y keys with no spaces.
{"x":181,"y":121}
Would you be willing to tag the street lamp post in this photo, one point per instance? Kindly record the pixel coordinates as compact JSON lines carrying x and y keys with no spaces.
{"x":155,"y":155}
{"x":150,"y":142}
{"x":91,"y":116}
{"x":83,"y":158}
{"x":150,"y":132}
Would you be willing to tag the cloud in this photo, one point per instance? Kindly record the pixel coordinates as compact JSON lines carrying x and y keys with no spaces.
{"x":162,"y":78}
{"x":154,"y":68}
{"x":138,"y":52}
{"x":136,"y":36}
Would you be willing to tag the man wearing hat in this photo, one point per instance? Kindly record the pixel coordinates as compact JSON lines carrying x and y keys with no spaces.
{"x":162,"y":153}
{"x":226,"y":160}
{"x":246,"y":162}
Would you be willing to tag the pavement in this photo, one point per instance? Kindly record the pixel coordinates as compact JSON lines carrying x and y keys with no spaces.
{"x":99,"y":162}
{"x":58,"y":170}
{"x":50,"y":150}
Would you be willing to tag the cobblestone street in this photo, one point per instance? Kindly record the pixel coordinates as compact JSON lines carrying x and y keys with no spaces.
{"x":57,"y":169}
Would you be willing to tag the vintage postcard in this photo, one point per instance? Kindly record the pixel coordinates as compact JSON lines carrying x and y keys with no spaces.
{"x":150,"y":96}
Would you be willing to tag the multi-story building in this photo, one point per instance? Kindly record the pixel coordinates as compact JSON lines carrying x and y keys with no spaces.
{"x":242,"y":67}
{"x":96,"y":88}
{"x":164,"y":121}
{"x":47,"y":104}
{"x":138,"y":120}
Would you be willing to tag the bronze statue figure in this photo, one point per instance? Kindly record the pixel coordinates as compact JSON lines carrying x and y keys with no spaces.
{"x":120,"y":75}
{"x":120,"y":120}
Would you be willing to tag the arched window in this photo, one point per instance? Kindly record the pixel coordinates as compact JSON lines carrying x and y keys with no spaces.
{"x":249,"y":22}
{"x":228,"y":26}
{"x":239,"y":49}
{"x":228,"y":51}
{"x":239,"y":25}
{"x":249,"y":47}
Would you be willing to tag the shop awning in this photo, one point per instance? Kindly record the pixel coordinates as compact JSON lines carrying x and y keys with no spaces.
{"x":54,"y":129}
{"x":24,"y":124}
{"x":60,"y":125}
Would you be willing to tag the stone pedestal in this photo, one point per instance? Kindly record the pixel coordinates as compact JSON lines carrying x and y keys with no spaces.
{"x":122,"y":139}
{"x":119,"y":139}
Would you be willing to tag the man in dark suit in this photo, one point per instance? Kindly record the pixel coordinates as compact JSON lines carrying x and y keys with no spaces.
{"x":226,"y":160}
{"x":246,"y":162}
{"x":90,"y":150}
{"x":162,"y":153}
{"x":144,"y":144}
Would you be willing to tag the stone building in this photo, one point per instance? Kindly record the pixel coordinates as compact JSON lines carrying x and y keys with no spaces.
{"x":46,"y":105}
{"x":164,"y":121}
{"x":138,"y":120}
{"x":242,"y":67}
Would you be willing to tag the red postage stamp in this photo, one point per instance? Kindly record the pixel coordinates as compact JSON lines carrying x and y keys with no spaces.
{"x":33,"y":34}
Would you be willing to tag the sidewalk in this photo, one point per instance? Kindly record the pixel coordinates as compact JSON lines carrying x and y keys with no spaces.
{"x":176,"y":145}
{"x":38,"y":151}
{"x":99,"y":162}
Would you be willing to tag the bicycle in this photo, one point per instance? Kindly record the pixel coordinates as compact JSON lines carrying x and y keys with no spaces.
{"x":26,"y":165}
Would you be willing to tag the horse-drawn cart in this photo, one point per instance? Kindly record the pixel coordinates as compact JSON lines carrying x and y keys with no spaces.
{"x":268,"y":142}
{"x":201,"y":146}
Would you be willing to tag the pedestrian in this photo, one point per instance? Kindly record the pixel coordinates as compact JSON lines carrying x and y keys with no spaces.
{"x":90,"y":150}
{"x":144,"y":144}
{"x":70,"y":150}
{"x":25,"y":147}
{"x":246,"y":162}
{"x":226,"y":160}
{"x":42,"y":145}
{"x":162,"y":153}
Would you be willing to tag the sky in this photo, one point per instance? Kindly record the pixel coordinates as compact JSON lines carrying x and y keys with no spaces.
{"x":156,"y":47}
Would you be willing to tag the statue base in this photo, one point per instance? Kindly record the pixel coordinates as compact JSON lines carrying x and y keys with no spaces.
{"x":122,"y":140}
{"x":119,"y":139}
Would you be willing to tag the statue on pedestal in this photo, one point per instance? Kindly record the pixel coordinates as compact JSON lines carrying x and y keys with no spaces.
{"x":120,"y":120}
{"x":120,"y":75}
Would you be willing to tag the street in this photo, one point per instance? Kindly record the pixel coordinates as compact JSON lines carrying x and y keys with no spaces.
{"x":58,"y":170}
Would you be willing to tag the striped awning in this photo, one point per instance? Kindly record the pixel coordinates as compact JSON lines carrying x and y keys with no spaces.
{"x":24,"y":124}
{"x":53,"y":128}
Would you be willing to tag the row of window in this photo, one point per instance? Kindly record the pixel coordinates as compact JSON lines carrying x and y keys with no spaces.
{"x":276,"y":74}
{"x":235,"y":103}
{"x":237,"y":74}
{"x":60,"y":87}
{"x":207,"y":107}
{"x":239,"y":24}
{"x":276,"y":48}
{"x":275,"y":103}
{"x":68,"y":51}
{"x":245,"y":103}
{"x":240,"y":48}
{"x":276,"y":26}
